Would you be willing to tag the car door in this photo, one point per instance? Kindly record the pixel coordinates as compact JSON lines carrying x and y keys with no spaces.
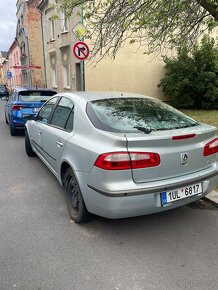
{"x":42,"y":120}
{"x":57,"y":132}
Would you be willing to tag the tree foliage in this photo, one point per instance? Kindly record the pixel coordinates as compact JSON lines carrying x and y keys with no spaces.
{"x":157,"y":25}
{"x":191,"y":79}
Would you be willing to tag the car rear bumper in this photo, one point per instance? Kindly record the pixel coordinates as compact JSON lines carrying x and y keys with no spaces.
{"x":19,"y":122}
{"x":139,"y":202}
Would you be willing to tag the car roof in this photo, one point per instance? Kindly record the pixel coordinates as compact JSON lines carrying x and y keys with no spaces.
{"x":19,"y":89}
{"x":93,"y":96}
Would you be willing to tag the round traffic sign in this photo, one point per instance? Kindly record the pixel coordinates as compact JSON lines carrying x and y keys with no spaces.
{"x":81,"y":50}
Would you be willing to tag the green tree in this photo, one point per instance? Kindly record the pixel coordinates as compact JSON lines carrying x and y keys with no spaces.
{"x":157,"y":25}
{"x":191,"y":79}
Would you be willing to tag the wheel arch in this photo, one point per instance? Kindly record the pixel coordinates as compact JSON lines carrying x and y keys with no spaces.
{"x":64,"y":166}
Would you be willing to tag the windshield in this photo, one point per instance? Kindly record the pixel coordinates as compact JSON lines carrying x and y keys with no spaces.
{"x":35,"y":96}
{"x":136,"y":114}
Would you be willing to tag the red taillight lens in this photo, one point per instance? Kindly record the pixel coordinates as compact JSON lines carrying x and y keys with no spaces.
{"x":182,"y":137}
{"x":211,"y":147}
{"x":18,"y":107}
{"x":125,"y":160}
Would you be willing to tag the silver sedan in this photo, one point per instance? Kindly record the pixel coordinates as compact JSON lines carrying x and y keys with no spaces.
{"x":122,"y":155}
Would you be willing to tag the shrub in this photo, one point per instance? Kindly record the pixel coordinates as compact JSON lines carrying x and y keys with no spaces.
{"x":191,"y":79}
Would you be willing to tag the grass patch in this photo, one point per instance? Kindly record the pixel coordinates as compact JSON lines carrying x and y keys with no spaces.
{"x":204,"y":116}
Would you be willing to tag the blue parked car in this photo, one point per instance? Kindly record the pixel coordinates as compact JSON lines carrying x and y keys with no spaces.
{"x":23,"y":104}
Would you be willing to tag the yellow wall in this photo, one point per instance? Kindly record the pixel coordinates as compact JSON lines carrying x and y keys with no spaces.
{"x":131,"y":71}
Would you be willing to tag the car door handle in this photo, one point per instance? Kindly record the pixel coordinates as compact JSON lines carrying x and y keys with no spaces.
{"x":59,"y":144}
{"x":39,"y":132}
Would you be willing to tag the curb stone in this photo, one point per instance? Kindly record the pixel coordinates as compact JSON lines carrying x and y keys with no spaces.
{"x":212,"y":197}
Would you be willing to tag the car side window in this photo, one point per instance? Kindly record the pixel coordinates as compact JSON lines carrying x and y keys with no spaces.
{"x":69,"y":125}
{"x":46,"y":111}
{"x":63,"y":114}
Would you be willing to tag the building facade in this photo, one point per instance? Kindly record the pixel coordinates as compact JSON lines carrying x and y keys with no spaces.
{"x":131,"y":71}
{"x":29,"y":38}
{"x":62,"y":69}
{"x":3,"y":60}
{"x":14,"y":64}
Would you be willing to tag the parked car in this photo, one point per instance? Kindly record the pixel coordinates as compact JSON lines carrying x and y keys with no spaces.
{"x":3,"y":91}
{"x":23,"y":104}
{"x":123,"y":155}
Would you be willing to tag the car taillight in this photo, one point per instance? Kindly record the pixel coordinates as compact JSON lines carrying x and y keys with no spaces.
{"x":127,"y":160}
{"x":211,"y":147}
{"x":18,"y":107}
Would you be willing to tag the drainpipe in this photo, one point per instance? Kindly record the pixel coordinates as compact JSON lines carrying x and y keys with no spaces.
{"x":43,"y":49}
{"x":31,"y":81}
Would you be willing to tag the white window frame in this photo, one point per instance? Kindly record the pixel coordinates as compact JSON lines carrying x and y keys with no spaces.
{"x":52,"y":27}
{"x":54,"y":78}
{"x":64,"y":23}
{"x":66,"y":76}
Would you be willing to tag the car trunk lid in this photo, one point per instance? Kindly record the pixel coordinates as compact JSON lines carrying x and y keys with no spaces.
{"x":180,"y":151}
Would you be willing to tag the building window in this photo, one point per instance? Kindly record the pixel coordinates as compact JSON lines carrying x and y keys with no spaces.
{"x":54,"y":77}
{"x":52,"y":36}
{"x":23,"y":50}
{"x":66,"y":74}
{"x":64,"y":23}
{"x":21,"y":21}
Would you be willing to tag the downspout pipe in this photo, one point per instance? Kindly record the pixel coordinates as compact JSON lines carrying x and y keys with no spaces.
{"x":30,"y":73}
{"x":43,"y":49}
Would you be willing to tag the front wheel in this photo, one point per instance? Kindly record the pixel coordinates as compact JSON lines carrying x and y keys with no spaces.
{"x":6,"y":120}
{"x":74,"y":199}
{"x":28,"y":146}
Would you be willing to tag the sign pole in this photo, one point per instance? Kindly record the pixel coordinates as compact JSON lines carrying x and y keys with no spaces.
{"x":82,"y":75}
{"x":82,"y":61}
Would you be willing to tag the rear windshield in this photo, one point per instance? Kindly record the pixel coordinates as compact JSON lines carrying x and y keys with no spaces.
{"x":136,"y":114}
{"x":35,"y":96}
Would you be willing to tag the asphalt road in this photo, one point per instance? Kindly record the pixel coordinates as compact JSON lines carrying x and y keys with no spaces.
{"x":40,"y":248}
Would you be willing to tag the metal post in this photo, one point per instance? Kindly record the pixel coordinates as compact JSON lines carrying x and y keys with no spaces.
{"x":82,"y":74}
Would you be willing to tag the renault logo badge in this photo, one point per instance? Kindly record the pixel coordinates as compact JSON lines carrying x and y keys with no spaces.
{"x":184,"y":159}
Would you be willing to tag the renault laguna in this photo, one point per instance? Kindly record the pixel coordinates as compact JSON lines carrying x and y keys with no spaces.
{"x":122,"y":155}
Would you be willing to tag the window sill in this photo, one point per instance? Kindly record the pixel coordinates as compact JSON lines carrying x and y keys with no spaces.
{"x":54,"y":87}
{"x":64,"y":32}
{"x":67,"y":88}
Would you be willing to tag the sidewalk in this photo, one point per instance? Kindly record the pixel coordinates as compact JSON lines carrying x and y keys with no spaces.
{"x":213,"y":197}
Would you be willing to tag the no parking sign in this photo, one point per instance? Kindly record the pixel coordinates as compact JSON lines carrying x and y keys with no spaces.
{"x":81,"y":50}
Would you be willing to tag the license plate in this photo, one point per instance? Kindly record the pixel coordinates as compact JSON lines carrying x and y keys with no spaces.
{"x":180,"y":193}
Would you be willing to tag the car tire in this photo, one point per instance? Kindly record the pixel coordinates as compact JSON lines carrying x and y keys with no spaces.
{"x":6,"y":120}
{"x":13,"y":131}
{"x":75,"y":203}
{"x":28,"y":146}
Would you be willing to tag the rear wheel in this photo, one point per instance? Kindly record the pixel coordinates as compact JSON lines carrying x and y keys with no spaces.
{"x":74,"y":199}
{"x":13,"y":131}
{"x":28,"y":146}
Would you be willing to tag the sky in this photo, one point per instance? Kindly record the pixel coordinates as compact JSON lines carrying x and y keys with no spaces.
{"x":8,"y":23}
